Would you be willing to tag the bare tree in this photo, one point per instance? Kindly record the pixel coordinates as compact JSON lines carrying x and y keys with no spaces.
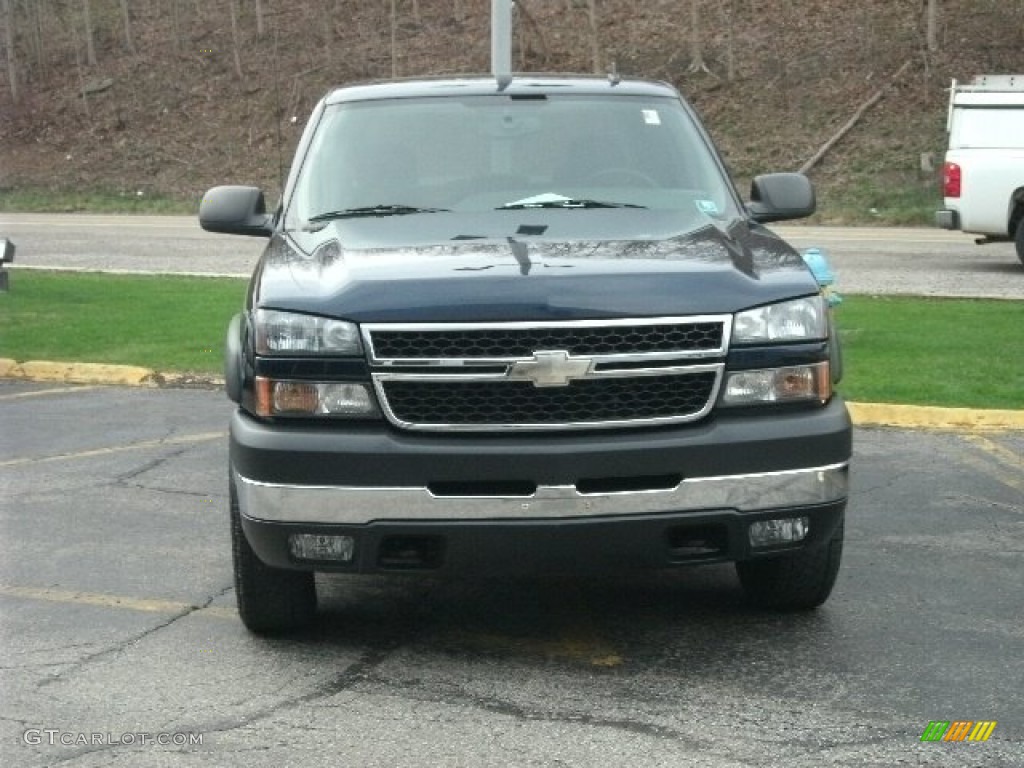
{"x":81,"y":73}
{"x":128,"y":43}
{"x":37,"y":36}
{"x":696,"y":41}
{"x":394,"y":35}
{"x":932,"y":24}
{"x":90,"y":47}
{"x":327,"y":25}
{"x":176,"y":25}
{"x":595,"y":45}
{"x":12,"y":62}
{"x":234,"y":38}
{"x":32,"y":40}
{"x":529,"y":30}
{"x":728,"y":17}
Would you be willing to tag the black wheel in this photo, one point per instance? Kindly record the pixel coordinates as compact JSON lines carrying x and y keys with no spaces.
{"x":796,"y":582}
{"x":1019,"y":240}
{"x":270,"y":600}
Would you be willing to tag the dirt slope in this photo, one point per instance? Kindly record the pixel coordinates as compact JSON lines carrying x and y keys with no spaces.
{"x":174,"y":117}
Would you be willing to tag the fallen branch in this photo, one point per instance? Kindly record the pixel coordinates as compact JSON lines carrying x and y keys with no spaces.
{"x":816,"y":158}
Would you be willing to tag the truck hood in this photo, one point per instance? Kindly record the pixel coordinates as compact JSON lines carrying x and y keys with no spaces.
{"x":712,"y":269}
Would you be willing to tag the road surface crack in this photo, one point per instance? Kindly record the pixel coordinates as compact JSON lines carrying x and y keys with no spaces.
{"x":148,"y":466}
{"x":353,"y":675}
{"x":78,"y":664}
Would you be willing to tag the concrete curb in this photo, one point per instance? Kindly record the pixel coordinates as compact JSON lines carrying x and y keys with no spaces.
{"x":77,"y":373}
{"x":933,"y":417}
{"x":863,"y":414}
{"x":99,"y":373}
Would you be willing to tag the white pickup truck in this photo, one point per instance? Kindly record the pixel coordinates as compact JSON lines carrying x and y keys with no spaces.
{"x":983,"y":176}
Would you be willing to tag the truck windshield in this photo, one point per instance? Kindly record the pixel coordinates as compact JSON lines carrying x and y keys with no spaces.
{"x":500,"y":152}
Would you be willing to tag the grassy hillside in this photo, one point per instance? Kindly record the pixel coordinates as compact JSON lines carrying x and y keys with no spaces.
{"x":199,"y":101}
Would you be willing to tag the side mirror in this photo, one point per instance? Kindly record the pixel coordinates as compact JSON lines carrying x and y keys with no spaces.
{"x":781,"y":196}
{"x":235,"y":211}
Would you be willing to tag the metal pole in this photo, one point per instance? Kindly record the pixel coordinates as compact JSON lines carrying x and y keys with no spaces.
{"x":501,"y":40}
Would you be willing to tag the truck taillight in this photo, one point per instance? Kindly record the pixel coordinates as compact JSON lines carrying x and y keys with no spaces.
{"x":951,"y":180}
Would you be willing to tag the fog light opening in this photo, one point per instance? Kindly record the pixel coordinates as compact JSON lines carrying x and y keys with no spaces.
{"x":787,"y":530}
{"x":312,"y":546}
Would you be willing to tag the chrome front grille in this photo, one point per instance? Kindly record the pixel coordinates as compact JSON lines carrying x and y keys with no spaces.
{"x":576,"y":340}
{"x":548,"y":376}
{"x":518,"y":403}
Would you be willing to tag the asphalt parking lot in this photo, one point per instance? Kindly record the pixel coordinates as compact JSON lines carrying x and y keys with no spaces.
{"x":119,"y":643}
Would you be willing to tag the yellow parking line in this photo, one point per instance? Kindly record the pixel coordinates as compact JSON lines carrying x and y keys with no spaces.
{"x":181,"y":439}
{"x":1004,"y":457}
{"x":41,"y":392}
{"x":111,"y":601}
{"x":1003,"y":454}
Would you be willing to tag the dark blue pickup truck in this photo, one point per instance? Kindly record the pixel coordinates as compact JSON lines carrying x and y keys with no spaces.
{"x":526,"y":324}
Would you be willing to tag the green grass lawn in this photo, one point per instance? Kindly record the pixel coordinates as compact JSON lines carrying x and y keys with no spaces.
{"x":950,"y":352}
{"x":161,"y":322}
{"x":38,"y":200}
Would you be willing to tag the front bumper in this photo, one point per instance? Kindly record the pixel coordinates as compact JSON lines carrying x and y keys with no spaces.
{"x":355,"y":505}
{"x":636,"y":497}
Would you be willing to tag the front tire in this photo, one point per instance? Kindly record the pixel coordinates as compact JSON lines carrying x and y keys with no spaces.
{"x":270,"y":600}
{"x":796,"y":582}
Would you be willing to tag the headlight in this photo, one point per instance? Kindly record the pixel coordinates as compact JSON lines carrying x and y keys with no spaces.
{"x":289,"y":333}
{"x":341,"y":399}
{"x":778,"y":385}
{"x":797,"y":320}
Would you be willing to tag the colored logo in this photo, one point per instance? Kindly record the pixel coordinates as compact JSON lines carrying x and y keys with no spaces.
{"x":958,"y":730}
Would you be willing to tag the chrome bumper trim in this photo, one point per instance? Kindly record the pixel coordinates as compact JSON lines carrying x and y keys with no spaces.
{"x":359,"y":505}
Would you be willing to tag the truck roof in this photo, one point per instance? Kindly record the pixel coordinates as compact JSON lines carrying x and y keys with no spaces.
{"x":482,"y":85}
{"x":992,"y":83}
{"x":989,"y":99}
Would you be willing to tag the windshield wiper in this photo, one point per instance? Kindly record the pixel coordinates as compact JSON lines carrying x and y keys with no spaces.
{"x":566,"y":202}
{"x":372,"y":210}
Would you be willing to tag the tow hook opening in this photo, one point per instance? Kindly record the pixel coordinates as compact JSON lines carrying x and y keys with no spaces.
{"x":697,"y":542}
{"x":407,"y":553}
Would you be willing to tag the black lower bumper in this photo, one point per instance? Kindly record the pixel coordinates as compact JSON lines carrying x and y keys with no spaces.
{"x":532,"y":546}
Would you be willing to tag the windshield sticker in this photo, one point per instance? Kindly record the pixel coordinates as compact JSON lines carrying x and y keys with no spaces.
{"x":708,"y":207}
{"x":651,"y":117}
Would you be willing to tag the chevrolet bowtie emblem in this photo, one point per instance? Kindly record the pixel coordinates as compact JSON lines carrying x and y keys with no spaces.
{"x":550,"y":369}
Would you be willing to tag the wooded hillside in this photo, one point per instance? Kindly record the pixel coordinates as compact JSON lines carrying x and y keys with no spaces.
{"x":172,"y":96}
